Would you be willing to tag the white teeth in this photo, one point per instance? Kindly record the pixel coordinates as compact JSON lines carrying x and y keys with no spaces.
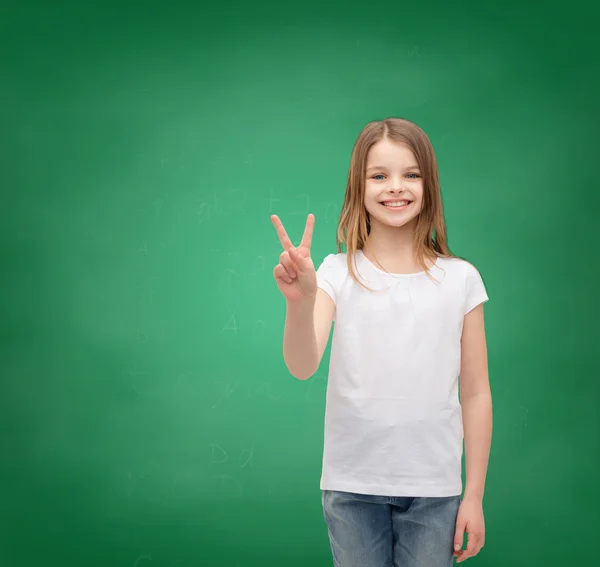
{"x":396,"y":204}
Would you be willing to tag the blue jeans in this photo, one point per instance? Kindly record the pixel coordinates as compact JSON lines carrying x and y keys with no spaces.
{"x":385,"y":531}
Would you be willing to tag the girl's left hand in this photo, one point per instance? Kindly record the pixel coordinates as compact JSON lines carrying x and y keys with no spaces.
{"x":470,"y":520}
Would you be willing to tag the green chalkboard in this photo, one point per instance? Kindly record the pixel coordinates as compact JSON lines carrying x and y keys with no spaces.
{"x":148,"y":419}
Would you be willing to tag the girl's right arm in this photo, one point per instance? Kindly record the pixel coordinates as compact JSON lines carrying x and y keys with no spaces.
{"x":307,"y":328}
{"x":309,"y":310}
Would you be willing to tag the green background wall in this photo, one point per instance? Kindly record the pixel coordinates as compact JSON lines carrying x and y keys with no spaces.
{"x":147,"y":417}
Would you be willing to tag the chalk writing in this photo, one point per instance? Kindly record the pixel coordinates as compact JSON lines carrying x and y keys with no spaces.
{"x":217,"y":454}
{"x":265,"y":390}
{"x":135,"y":373}
{"x":226,"y":389}
{"x":230,"y":487}
{"x":271,"y":201}
{"x":246,"y":457}
{"x":231,"y":326}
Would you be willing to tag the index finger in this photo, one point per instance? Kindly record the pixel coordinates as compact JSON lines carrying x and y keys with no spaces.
{"x":308,"y":231}
{"x":283,"y":237}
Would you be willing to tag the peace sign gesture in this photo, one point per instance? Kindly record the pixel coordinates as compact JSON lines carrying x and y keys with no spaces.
{"x":295,"y":274}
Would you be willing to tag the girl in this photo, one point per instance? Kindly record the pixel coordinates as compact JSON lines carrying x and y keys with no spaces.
{"x":408,"y":320}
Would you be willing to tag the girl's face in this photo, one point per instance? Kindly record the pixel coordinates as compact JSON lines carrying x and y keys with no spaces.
{"x":394,"y":186}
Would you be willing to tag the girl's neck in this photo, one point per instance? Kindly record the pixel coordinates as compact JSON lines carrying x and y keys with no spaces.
{"x":392,"y":249}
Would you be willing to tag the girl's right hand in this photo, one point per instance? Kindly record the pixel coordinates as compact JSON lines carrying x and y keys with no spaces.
{"x":295,"y":274}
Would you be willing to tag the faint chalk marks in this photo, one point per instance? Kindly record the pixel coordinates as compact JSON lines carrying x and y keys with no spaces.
{"x":146,"y":291}
{"x":206,"y":209}
{"x":271,"y":201}
{"x":231,"y":326}
{"x":142,"y":558}
{"x":258,"y":265}
{"x":182,"y":379}
{"x":222,"y":204}
{"x":444,"y":141}
{"x":143,"y":249}
{"x":161,"y":338}
{"x":231,"y":202}
{"x":225,"y":389}
{"x":246,"y":457}
{"x":148,"y":206}
{"x":236,"y":199}
{"x":264,"y":390}
{"x":203,"y":211}
{"x":231,"y":272}
{"x":141,"y":207}
{"x":179,"y":212}
{"x":258,"y":330}
{"x":143,"y":337}
{"x":225,"y":483}
{"x":133,"y":481}
{"x":217,"y":454}
{"x":134,"y":373}
{"x":228,"y":486}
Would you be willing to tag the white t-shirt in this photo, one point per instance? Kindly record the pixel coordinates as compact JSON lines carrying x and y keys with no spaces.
{"x":393,"y":420}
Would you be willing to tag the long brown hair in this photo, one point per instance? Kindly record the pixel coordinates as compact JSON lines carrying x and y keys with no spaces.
{"x":354,"y":224}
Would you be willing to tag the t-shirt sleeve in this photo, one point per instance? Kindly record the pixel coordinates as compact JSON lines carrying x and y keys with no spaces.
{"x":328,"y":276}
{"x":475,"y":292}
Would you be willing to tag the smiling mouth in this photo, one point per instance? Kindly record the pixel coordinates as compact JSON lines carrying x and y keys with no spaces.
{"x":396,"y":205}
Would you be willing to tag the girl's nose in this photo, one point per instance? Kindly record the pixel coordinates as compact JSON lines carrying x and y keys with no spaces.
{"x":396,"y":188}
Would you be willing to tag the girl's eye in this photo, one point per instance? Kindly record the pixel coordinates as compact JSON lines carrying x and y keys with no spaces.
{"x":380,"y":176}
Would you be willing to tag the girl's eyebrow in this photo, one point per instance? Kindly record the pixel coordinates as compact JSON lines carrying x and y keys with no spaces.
{"x":383,"y":167}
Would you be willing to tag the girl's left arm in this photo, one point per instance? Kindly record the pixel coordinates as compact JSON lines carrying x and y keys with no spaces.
{"x":476,"y":401}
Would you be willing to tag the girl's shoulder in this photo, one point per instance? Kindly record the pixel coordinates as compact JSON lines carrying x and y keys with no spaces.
{"x":333,"y":268}
{"x":466,"y":279}
{"x":334,"y":260}
{"x":457,"y":265}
